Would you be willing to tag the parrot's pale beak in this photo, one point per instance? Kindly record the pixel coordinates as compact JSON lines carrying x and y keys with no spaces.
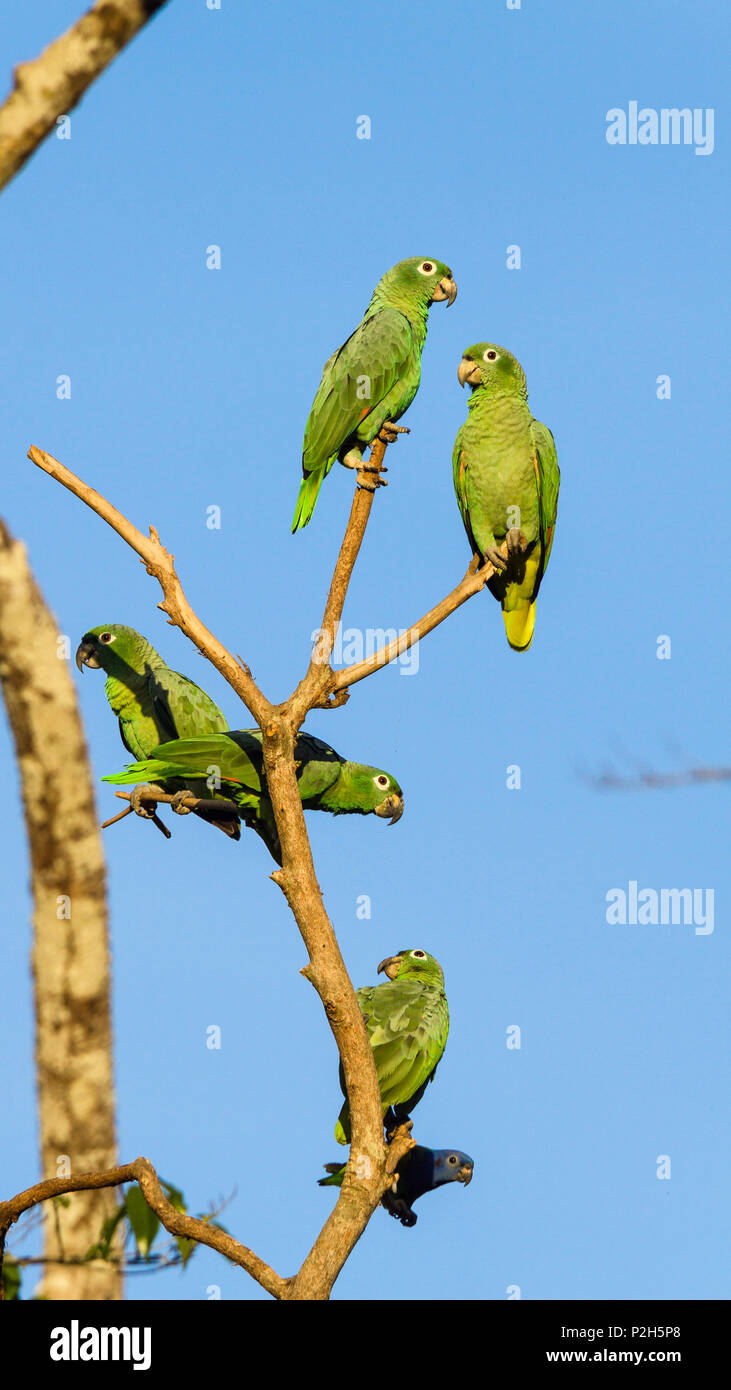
{"x":393,"y":806}
{"x":389,"y":966}
{"x":465,"y":1174}
{"x":85,"y":655}
{"x":446,"y":289}
{"x":468,"y":371}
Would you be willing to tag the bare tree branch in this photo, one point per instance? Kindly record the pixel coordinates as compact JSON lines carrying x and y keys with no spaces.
{"x":475,"y":579}
{"x":51,"y":85}
{"x":70,"y":949}
{"x":161,"y":564}
{"x":176,"y":1222}
{"x":608,"y":781}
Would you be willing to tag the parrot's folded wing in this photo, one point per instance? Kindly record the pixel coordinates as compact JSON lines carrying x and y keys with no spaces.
{"x":549,"y":479}
{"x":354,"y":380}
{"x":181,"y":707}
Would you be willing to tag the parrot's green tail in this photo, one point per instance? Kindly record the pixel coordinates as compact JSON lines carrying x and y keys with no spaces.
{"x":519,"y":625}
{"x":309,"y":489}
{"x":342,"y":1127}
{"x":335,"y":1179}
{"x":149,"y":770}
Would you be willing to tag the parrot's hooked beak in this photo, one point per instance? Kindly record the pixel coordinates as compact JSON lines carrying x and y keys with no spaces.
{"x":446,"y":289}
{"x":390,"y":966}
{"x":465,"y":1173}
{"x":468,"y":371}
{"x":86,"y":655}
{"x":393,"y":806}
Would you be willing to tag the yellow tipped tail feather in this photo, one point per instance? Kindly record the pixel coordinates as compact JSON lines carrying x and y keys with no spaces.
{"x":519,"y":625}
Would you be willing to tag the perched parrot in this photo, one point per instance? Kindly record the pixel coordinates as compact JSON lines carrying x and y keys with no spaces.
{"x":152,"y":703}
{"x":407,"y":1021}
{"x":420,"y":1170}
{"x":372,"y":379}
{"x":506,"y":478}
{"x":231,"y":766}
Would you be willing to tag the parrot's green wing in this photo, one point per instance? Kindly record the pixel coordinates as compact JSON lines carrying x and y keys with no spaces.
{"x":229,"y":761}
{"x":182,"y":709}
{"x":372,"y":358}
{"x":549,"y":478}
{"x":460,"y":483}
{"x":407,"y":1040}
{"x":407,"y":1027}
{"x":354,"y":381}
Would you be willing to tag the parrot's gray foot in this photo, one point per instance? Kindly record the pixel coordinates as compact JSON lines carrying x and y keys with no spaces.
{"x":493,"y":555}
{"x":389,"y":433}
{"x":180,"y":803}
{"x":516,"y":542}
{"x":142,"y":800}
{"x":369,"y":477}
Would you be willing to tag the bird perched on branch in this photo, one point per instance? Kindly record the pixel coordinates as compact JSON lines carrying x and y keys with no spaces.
{"x":371,"y":380}
{"x":231,"y":765}
{"x":152,"y":702}
{"x":420,"y":1170}
{"x":407,"y":1021}
{"x":506,"y":478}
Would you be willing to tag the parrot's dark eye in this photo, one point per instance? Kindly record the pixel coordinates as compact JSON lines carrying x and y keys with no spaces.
{"x":420,"y":955}
{"x":381,"y":781}
{"x":490,"y":355}
{"x":453,"y":1160}
{"x":427,"y":268}
{"x":105,"y":637}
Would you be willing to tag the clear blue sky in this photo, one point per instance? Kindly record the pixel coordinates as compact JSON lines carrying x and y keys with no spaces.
{"x":190,"y":388}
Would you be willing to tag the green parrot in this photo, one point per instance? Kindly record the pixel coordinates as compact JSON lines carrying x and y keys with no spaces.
{"x":407,"y":1021}
{"x":506,"y":478}
{"x":231,"y":765}
{"x":372,"y":379}
{"x":152,"y":703}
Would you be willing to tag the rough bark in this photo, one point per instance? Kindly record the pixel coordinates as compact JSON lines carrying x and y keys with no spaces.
{"x":70,"y":951}
{"x":51,"y":85}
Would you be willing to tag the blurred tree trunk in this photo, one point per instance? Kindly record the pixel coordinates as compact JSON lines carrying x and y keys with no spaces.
{"x":73,"y":1038}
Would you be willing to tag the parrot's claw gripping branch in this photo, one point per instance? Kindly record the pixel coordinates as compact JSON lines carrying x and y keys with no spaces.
{"x":145,"y":798}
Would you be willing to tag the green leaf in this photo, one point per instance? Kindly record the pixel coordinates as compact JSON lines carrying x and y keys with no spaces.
{"x":174,"y":1196}
{"x":102,"y":1249}
{"x":11,"y":1276}
{"x":145,"y":1224}
{"x":185,"y":1248}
